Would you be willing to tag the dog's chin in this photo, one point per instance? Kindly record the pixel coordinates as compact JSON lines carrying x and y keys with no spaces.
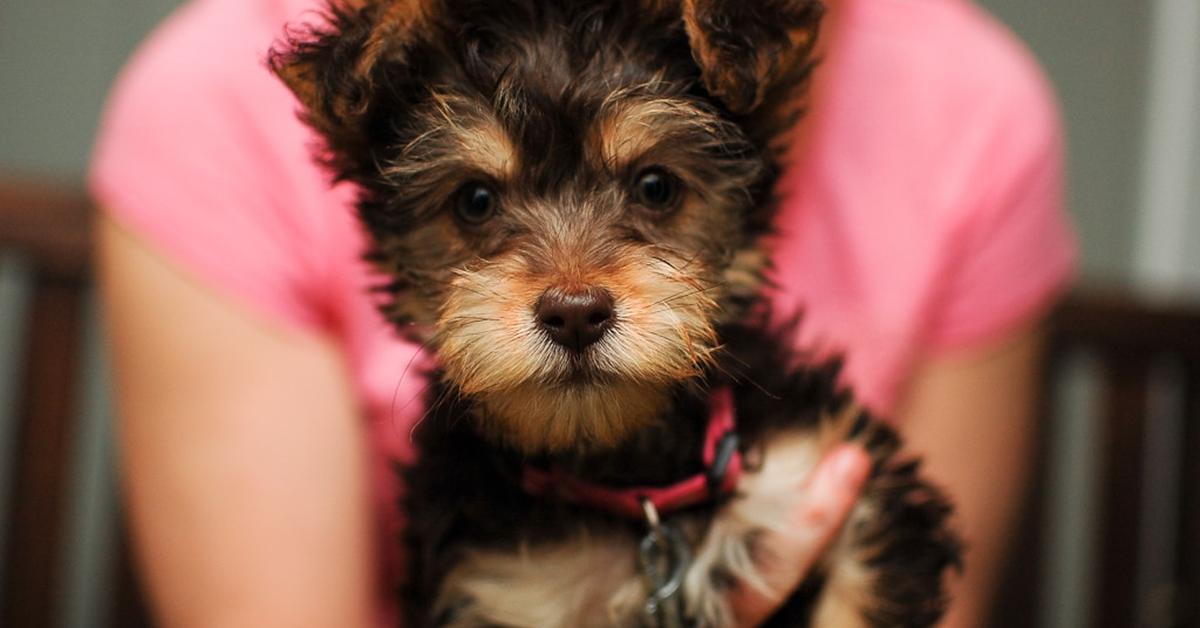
{"x":579,"y":413}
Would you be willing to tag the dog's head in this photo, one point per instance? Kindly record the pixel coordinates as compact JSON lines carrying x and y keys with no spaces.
{"x":566,"y":195}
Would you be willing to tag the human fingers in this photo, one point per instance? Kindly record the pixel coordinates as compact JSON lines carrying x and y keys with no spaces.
{"x":818,"y":513}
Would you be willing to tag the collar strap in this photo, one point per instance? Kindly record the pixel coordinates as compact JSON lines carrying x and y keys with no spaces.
{"x":722,"y":469}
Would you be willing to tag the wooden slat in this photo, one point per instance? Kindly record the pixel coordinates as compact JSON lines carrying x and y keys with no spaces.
{"x":48,"y":222}
{"x":1187,"y":574}
{"x":1121,"y":473}
{"x":45,"y":432}
{"x":1117,"y":321}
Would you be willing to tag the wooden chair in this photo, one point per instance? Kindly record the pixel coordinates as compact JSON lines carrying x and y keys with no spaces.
{"x":1128,"y":339}
{"x":49,"y":225}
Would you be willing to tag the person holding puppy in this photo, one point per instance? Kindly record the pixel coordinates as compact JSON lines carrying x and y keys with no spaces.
{"x":262,"y":396}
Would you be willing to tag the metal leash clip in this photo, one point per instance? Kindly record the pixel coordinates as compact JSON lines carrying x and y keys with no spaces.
{"x":664,"y":559}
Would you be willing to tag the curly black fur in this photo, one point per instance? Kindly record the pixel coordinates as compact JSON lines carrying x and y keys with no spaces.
{"x":466,"y":493}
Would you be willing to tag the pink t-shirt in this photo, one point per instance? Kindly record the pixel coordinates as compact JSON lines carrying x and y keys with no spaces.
{"x":924,"y":213}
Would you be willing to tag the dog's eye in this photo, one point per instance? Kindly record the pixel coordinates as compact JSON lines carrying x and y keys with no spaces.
{"x":657,"y":189}
{"x":476,"y":203}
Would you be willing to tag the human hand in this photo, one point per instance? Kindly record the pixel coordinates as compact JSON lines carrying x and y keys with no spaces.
{"x":817,"y":515}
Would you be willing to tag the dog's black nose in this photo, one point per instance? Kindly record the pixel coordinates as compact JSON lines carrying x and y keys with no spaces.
{"x":575,"y":319}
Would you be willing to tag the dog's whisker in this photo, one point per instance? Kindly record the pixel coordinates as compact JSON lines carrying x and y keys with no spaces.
{"x":412,"y":430}
{"x":687,"y":294}
{"x":444,"y":395}
{"x":419,"y":352}
{"x":741,"y":376}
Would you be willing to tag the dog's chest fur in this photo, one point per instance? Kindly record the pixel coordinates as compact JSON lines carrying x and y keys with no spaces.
{"x":484,"y":553}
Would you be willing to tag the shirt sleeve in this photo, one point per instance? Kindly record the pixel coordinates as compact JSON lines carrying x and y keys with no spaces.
{"x":199,"y":154}
{"x":1011,"y":249}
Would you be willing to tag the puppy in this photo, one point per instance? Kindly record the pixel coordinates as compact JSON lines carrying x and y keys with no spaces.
{"x":570,"y":201}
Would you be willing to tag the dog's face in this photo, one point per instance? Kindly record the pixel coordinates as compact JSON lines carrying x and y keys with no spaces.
{"x":566,"y":195}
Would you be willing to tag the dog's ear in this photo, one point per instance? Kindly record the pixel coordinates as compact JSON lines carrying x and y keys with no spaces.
{"x":752,"y":51}
{"x":334,"y":69}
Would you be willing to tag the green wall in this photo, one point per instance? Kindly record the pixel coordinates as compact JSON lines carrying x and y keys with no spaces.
{"x":1095,"y":52}
{"x":57,"y":58}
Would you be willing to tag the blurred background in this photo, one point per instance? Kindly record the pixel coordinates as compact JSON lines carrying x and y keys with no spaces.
{"x":1114,"y":536}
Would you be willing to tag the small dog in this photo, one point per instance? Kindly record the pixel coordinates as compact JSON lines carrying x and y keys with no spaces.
{"x":570,"y":201}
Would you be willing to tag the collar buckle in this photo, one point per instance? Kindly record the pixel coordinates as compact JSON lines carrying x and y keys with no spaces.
{"x":723,"y":455}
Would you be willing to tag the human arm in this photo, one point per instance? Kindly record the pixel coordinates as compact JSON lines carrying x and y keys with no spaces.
{"x":969,"y":414}
{"x":242,"y":458}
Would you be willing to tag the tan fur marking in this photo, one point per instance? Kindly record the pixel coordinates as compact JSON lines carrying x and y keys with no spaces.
{"x":662,"y":334}
{"x":587,"y":582}
{"x":395,"y":20}
{"x":633,"y":128}
{"x":299,"y":78}
{"x":393,"y":24}
{"x":460,"y":132}
{"x":706,"y":55}
{"x":480,"y":139}
{"x":715,"y":69}
{"x":716,"y":62}
{"x":744,"y":277}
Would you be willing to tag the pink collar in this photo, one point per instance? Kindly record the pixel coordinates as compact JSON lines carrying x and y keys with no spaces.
{"x":722,"y":463}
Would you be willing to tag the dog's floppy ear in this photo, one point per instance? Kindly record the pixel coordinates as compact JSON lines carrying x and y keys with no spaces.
{"x":335,"y":68}
{"x":751,"y":50}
